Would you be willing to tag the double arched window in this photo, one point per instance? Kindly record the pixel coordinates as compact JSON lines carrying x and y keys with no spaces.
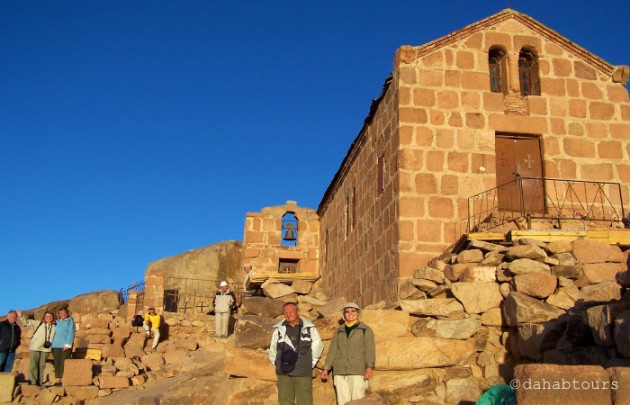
{"x":528,"y":71}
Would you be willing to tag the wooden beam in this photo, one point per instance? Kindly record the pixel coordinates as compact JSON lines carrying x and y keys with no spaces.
{"x":259,"y":278}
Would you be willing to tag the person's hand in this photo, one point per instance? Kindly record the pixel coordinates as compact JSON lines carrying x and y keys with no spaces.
{"x":324,"y":374}
{"x":368,"y":373}
{"x":65,"y":349}
{"x":19,"y":313}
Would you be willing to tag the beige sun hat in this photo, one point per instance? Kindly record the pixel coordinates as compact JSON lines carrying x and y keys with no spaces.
{"x":350,"y":305}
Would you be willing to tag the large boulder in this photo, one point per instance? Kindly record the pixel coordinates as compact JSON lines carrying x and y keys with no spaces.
{"x":441,"y":307}
{"x":531,"y":252}
{"x":553,"y":384}
{"x":7,"y":384}
{"x":254,"y":332}
{"x":405,"y":383}
{"x":601,"y":319}
{"x":605,"y":291}
{"x":598,"y":272}
{"x":408,"y":353}
{"x":209,"y":265}
{"x":446,"y":328}
{"x":275,"y":289}
{"x":521,"y":266}
{"x":261,"y":306}
{"x":538,"y":285}
{"x":520,"y":308}
{"x":98,"y":301}
{"x":477,"y":297}
{"x":590,"y":251}
{"x":386,"y":324}
{"x":249,"y":363}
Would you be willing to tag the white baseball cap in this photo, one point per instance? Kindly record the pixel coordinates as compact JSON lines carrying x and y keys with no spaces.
{"x":223,"y":284}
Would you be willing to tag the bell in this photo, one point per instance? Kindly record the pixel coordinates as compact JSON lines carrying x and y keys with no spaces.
{"x":289,"y":235}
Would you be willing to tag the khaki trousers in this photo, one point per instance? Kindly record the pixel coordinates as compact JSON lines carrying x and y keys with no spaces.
{"x":298,"y":389}
{"x":36,"y":367}
{"x":221,"y":323}
{"x":156,"y":334}
{"x":349,"y":387}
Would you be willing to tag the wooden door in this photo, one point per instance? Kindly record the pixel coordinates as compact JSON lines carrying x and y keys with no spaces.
{"x":518,"y":159}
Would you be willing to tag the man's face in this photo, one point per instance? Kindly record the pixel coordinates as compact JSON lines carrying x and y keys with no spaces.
{"x":152,"y":311}
{"x":291,"y":314}
{"x":62,"y":315}
{"x":224,"y":288}
{"x":12,"y":317}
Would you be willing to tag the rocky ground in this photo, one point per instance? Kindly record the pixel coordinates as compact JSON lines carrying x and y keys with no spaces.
{"x":469,"y":320}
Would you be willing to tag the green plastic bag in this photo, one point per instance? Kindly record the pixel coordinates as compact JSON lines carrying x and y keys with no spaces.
{"x":498,"y":395}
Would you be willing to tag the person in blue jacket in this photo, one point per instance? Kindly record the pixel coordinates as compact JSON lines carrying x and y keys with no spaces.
{"x":62,"y":342}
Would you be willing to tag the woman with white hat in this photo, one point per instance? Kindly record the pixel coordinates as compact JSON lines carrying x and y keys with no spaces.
{"x":351,"y":356}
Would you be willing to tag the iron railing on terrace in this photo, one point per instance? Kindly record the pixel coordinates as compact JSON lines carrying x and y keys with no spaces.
{"x":545,"y":198}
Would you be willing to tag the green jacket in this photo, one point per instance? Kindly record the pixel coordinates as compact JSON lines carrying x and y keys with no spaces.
{"x":351,"y":355}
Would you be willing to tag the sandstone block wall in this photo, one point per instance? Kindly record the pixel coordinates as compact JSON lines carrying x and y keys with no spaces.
{"x":360,"y":231}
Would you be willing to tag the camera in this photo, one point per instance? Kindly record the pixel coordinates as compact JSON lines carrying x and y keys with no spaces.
{"x":47,"y":344}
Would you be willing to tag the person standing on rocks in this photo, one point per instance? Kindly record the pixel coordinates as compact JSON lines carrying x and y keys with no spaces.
{"x":151,"y":326}
{"x":40,"y":346}
{"x":351,"y":356}
{"x":224,"y":303}
{"x":62,"y":341}
{"x":249,"y":271}
{"x":10,"y":334}
{"x":295,"y":349}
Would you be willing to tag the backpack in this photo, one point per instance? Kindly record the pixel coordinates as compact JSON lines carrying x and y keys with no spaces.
{"x":137,"y":320}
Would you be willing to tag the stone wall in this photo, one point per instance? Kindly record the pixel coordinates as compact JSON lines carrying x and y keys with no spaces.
{"x":262,"y":241}
{"x":359,"y":220}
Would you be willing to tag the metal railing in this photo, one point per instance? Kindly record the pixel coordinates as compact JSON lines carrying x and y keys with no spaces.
{"x":189,"y":295}
{"x":545,"y":198}
{"x":123,"y":294}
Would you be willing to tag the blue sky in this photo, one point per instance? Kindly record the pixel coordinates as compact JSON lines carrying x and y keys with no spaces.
{"x":136,"y":130}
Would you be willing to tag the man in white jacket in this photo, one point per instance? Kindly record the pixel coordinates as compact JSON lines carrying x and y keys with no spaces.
{"x":295,"y":349}
{"x":224,"y":303}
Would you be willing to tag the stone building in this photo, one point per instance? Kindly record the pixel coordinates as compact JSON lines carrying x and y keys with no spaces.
{"x":503,"y":100}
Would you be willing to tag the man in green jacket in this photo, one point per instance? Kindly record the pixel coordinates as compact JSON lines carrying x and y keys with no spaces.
{"x":351,"y":356}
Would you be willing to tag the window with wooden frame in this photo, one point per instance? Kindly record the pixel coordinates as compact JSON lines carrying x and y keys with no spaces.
{"x":528,"y":72}
{"x":497,"y":64}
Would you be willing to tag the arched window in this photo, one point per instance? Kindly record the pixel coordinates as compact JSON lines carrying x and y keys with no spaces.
{"x":289,"y":229}
{"x":528,"y":73}
{"x":497,"y":62}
